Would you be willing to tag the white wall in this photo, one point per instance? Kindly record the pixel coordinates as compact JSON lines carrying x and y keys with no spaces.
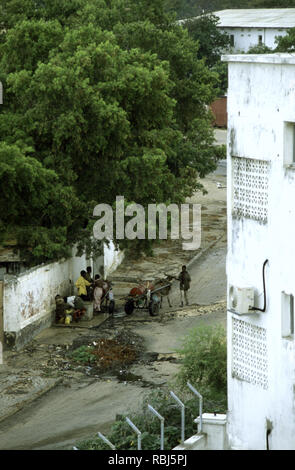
{"x":261,"y":96}
{"x":30,"y":297}
{"x":112,"y":258}
{"x":249,"y":37}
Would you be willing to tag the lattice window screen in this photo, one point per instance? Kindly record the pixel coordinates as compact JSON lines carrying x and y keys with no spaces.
{"x":249,"y":353}
{"x":250,"y":188}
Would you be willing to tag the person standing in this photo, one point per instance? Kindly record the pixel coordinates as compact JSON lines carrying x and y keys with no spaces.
{"x":88,"y":274}
{"x":97,"y":293}
{"x":82,"y":285}
{"x":185,"y":280}
{"x":88,"y":277}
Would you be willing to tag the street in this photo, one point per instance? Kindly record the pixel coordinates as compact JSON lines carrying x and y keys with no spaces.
{"x":81,"y":406}
{"x":50,"y":403}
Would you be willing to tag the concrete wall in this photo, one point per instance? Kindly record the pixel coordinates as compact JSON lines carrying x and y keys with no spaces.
{"x":112,"y":258}
{"x":29,"y":298}
{"x":213,"y":435}
{"x":244,"y":38}
{"x":261,"y":359}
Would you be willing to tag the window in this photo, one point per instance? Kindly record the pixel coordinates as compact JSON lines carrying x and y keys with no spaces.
{"x":289,"y":143}
{"x":232,"y":40}
{"x":260,"y":39}
{"x":287,"y":320}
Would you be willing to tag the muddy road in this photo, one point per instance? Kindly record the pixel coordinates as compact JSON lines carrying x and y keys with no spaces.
{"x":80,"y":400}
{"x":85,"y":402}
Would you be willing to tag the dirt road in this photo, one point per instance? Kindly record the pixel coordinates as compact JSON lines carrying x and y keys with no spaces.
{"x":83,"y":405}
{"x":83,"y":402}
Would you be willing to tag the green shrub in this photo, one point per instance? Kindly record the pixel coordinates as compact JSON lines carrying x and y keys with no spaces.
{"x":204,"y":366}
{"x":204,"y":355}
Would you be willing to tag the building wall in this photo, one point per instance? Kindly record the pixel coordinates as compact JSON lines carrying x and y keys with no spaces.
{"x":261,"y":225}
{"x":112,"y":258}
{"x":29,"y":298}
{"x":244,"y":38}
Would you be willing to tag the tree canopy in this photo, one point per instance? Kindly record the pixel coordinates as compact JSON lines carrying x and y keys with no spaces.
{"x":286,"y":43}
{"x":102,"y":98}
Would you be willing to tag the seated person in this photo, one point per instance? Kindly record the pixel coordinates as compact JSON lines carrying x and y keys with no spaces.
{"x":77,"y":305}
{"x":62,"y":309}
{"x":75,"y":301}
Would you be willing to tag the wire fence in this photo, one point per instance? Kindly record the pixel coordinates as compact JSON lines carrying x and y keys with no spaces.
{"x":162,"y":421}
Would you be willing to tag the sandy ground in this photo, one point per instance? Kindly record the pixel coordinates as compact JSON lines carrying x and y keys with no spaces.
{"x":77,"y":403}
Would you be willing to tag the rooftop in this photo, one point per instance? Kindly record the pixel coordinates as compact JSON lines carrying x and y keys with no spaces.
{"x":284,"y":58}
{"x":257,"y":18}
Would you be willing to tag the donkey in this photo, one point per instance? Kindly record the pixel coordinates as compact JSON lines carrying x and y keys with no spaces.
{"x":166,"y":284}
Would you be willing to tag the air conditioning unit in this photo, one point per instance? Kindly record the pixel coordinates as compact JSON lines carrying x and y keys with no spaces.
{"x":241,"y":299}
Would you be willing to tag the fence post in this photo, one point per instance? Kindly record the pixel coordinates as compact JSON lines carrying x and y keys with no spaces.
{"x":106,"y":441}
{"x":200,"y":404}
{"x":162,"y":424}
{"x":182,"y":414}
{"x":137,"y":432}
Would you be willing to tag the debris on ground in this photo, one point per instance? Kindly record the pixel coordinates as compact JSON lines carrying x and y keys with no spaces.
{"x":109,"y":353}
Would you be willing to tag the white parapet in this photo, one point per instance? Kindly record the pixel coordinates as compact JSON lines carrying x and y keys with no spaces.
{"x":214,"y":427}
{"x":196,"y":442}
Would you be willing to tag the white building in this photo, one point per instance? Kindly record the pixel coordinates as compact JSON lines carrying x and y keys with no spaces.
{"x":261,"y":226}
{"x":250,"y":27}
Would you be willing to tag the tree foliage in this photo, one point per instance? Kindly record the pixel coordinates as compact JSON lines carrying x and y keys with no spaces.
{"x":212,"y":44}
{"x":286,"y":43}
{"x":109,"y":99}
{"x":204,"y":353}
{"x":212,"y":41}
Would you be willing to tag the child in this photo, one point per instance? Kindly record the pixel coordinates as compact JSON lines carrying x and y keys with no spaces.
{"x":97,"y":293}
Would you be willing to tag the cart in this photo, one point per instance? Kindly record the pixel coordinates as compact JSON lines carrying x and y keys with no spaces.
{"x":145,"y":297}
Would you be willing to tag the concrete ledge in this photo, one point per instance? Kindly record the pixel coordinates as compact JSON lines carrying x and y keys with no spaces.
{"x":196,"y":442}
{"x":19,"y":339}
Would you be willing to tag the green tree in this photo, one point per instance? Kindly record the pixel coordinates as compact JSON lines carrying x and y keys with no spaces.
{"x":212,"y":41}
{"x":110,"y":97}
{"x":35,"y":206}
{"x":212,"y":44}
{"x":204,"y":353}
{"x":260,"y":49}
{"x":286,"y":43}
